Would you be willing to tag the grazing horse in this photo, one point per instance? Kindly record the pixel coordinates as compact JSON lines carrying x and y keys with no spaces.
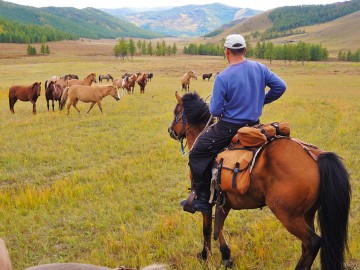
{"x":93,"y":94}
{"x":128,"y":83}
{"x":287,"y":179}
{"x":185,"y":80}
{"x":106,"y":77}
{"x":24,"y":93}
{"x":142,"y":81}
{"x":53,"y":92}
{"x":207,"y":76}
{"x":150,"y":76}
{"x":88,"y":80}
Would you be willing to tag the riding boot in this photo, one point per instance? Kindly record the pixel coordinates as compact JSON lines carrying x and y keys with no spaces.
{"x":198,"y":199}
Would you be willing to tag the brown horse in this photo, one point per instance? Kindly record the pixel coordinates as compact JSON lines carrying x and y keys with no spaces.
{"x":24,"y":93}
{"x":290,"y":182}
{"x":53,"y":92}
{"x":88,"y":80}
{"x":93,"y":94}
{"x":142,"y":81}
{"x":185,"y":80}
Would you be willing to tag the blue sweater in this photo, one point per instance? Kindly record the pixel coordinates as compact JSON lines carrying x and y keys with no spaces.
{"x":239,"y":92}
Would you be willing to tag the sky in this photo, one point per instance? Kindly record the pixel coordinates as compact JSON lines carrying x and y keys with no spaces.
{"x":112,"y":4}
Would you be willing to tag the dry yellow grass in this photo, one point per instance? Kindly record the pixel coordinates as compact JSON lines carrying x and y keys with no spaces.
{"x":105,"y":189}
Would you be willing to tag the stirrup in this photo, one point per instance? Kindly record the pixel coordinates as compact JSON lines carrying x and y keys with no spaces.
{"x":187,"y":206}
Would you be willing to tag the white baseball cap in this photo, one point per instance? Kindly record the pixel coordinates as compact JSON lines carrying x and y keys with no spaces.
{"x":235,"y":41}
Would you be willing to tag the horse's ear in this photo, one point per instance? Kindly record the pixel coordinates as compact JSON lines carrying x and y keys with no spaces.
{"x":178,"y":97}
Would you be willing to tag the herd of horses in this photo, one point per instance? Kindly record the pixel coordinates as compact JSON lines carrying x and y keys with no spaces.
{"x":59,"y":89}
{"x":56,"y":86}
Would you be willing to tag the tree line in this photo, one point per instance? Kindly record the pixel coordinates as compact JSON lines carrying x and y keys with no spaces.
{"x":14,"y":32}
{"x":267,"y":50}
{"x":349,"y":56}
{"x":124,"y":48}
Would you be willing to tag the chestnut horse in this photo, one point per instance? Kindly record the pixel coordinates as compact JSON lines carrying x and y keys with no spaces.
{"x":53,"y":92}
{"x":185,"y":80}
{"x":128,"y":83}
{"x":93,"y":94}
{"x":290,"y":182}
{"x":24,"y":93}
{"x":88,"y":80}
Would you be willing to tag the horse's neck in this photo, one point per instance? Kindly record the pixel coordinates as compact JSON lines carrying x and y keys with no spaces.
{"x":192,"y":133}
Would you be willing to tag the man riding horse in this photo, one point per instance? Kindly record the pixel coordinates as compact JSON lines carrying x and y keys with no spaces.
{"x":237,"y":99}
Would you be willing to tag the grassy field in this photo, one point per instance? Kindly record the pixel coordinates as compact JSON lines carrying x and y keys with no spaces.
{"x":105,"y":189}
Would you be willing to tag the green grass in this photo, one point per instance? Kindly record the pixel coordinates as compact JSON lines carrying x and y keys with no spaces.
{"x":105,"y":189}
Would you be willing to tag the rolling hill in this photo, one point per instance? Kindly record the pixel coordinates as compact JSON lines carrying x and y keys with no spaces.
{"x":186,"y":21}
{"x":337,"y":32}
{"x":88,"y":22}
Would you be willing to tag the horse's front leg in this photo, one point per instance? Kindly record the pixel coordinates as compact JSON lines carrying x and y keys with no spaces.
{"x":91,"y":106}
{"x":220,"y":215}
{"x":53,"y":104}
{"x":34,"y":106}
{"x":207,"y":229}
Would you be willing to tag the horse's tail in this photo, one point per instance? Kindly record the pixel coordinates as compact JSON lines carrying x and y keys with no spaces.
{"x":334,"y":197}
{"x":64,"y":98}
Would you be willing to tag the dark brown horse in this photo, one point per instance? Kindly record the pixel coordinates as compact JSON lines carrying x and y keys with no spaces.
{"x":142,"y":81}
{"x":290,"y":182}
{"x":150,"y":76}
{"x":53,"y":92}
{"x":207,"y":76}
{"x":24,"y":93}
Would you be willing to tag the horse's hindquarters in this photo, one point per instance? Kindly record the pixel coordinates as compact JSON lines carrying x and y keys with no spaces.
{"x":286,"y":176}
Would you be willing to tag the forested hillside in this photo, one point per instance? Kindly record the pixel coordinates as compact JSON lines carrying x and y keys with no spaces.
{"x":14,"y":32}
{"x":88,"y":22}
{"x":285,"y":19}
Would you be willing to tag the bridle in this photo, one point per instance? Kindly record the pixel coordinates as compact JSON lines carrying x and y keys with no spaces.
{"x":179,"y":118}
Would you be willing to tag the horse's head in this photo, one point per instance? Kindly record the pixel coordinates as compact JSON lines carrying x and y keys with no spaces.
{"x":92,"y":77}
{"x":36,"y":87}
{"x":190,"y":112}
{"x":192,"y":74}
{"x":114,"y":92}
{"x":177,"y":127}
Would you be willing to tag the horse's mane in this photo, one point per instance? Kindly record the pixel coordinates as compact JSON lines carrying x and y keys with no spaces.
{"x":196,"y":110}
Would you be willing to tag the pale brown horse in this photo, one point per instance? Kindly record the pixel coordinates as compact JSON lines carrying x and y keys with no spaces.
{"x":24,"y":93}
{"x":93,"y":94}
{"x":185,"y":80}
{"x":53,"y":92}
{"x":286,"y":179}
{"x":88,"y":80}
{"x":5,"y":263}
{"x":142,"y":81}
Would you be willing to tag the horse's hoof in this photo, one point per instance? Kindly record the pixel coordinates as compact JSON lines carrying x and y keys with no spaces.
{"x":228,"y":263}
{"x":202,"y":255}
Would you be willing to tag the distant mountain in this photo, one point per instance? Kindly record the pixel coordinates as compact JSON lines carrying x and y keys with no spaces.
{"x":87,"y":23}
{"x":190,"y":20}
